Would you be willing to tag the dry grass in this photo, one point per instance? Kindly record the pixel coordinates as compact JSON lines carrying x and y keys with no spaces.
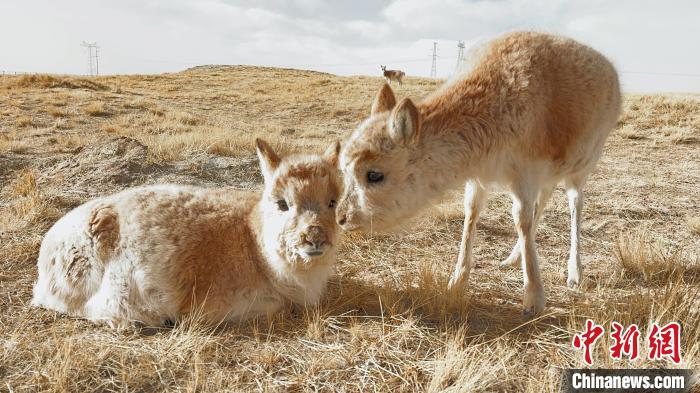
{"x":96,"y":108}
{"x":24,"y":184}
{"x":12,"y":142}
{"x":24,"y":121}
{"x":388,"y":322}
{"x":68,"y":143}
{"x":684,"y":135}
{"x":628,"y":133}
{"x":156,"y":111}
{"x":62,"y":123}
{"x":185,"y":118}
{"x":694,"y":224}
{"x":52,"y":81}
{"x":642,"y":257}
{"x":58,"y":113}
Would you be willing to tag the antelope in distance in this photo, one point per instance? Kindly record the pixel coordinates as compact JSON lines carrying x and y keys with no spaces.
{"x":530,"y":111}
{"x":157,"y":253}
{"x":393,"y":75}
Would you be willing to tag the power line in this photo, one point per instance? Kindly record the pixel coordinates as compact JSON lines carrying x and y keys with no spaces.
{"x":356,"y":64}
{"x":660,"y":73}
{"x":434,"y":56}
{"x":93,"y":63}
{"x":433,"y":68}
{"x":186,"y":62}
{"x":92,"y":50}
{"x":460,"y":53}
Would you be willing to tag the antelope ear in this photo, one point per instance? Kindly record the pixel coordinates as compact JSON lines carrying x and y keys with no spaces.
{"x":269,"y":160}
{"x":384,"y":100}
{"x":404,"y":122}
{"x":331,"y":154}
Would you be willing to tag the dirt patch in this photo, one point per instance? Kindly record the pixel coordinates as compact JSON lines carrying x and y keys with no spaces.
{"x":9,"y":164}
{"x":120,"y":162}
{"x":99,"y":167}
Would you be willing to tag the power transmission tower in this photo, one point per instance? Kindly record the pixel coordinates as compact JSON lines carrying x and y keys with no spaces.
{"x":460,"y":53}
{"x":433,"y":68}
{"x":93,"y":57}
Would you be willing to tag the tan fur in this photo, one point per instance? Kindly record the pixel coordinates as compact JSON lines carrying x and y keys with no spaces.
{"x":104,"y":228}
{"x":533,"y":110}
{"x":157,"y":253}
{"x":393,"y":75}
{"x":384,"y":100}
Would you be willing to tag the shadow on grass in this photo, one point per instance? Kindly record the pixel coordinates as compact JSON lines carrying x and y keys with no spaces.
{"x":430,"y":306}
{"x":425,"y":302}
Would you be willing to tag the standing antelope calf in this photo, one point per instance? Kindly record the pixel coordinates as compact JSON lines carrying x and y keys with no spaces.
{"x":156,"y":253}
{"x":393,"y":75}
{"x":533,"y":110}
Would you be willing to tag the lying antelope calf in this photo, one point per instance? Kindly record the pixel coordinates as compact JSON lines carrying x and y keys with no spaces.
{"x":156,"y":253}
{"x":533,"y":110}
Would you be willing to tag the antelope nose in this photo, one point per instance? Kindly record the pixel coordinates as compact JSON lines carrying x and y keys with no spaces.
{"x":315,"y":236}
{"x":342,"y":219}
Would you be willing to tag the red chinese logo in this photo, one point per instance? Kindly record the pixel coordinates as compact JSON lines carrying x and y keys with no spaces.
{"x":587,"y":339}
{"x":665,"y":342}
{"x":625,"y":341}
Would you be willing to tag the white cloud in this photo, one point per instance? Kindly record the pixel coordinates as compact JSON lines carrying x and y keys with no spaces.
{"x":340,"y":37}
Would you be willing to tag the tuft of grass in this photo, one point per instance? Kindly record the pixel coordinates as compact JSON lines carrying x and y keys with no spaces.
{"x":58,"y":113}
{"x":685,"y":137}
{"x":156,"y":110}
{"x":185,"y":118}
{"x":694,"y":224}
{"x":642,"y":257}
{"x":24,"y":184}
{"x":62,"y":123}
{"x":471,"y":368}
{"x":29,"y":205}
{"x":24,"y":121}
{"x":630,"y":133}
{"x":13,"y":143}
{"x":70,"y":143}
{"x":428,"y":296}
{"x":138,"y":103}
{"x":96,"y":108}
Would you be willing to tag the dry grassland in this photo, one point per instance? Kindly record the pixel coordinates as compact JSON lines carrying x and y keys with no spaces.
{"x":387,"y":322}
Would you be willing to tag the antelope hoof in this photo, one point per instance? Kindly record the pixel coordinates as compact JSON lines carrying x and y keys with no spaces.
{"x":573,"y":282}
{"x":510,"y":262}
{"x":574,"y":279}
{"x":456,"y":281}
{"x":528,"y":314}
{"x":459,"y":279}
{"x":533,"y":301}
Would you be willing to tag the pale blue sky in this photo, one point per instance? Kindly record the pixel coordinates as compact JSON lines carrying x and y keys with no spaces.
{"x":655,"y":45}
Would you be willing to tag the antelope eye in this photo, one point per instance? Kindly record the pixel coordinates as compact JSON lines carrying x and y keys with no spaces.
{"x":374,"y":177}
{"x":282,"y":205}
{"x":332,"y":204}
